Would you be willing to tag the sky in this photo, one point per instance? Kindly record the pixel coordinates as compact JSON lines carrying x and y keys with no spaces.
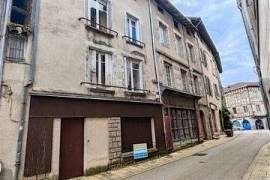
{"x":225,"y":25}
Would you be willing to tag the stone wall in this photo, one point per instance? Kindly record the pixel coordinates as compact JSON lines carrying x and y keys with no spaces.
{"x":114,"y":141}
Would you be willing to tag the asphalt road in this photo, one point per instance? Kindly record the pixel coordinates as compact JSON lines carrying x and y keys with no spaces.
{"x":229,"y":161}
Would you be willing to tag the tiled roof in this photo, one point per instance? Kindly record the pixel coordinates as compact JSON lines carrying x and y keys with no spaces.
{"x":241,"y":85}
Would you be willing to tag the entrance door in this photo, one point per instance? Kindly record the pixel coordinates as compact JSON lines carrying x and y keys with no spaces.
{"x":71,"y":148}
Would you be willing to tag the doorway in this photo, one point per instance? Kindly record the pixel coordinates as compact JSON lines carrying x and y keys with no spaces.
{"x":71,"y":148}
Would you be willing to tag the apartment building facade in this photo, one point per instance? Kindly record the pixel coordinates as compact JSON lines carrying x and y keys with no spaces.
{"x":211,"y":103}
{"x":256,"y":20}
{"x":245,"y":101}
{"x":89,"y":76}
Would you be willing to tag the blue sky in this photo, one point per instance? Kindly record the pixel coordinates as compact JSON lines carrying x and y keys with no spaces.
{"x":225,"y":25}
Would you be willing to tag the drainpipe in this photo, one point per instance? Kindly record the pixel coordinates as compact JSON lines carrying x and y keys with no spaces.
{"x":35,"y":18}
{"x":156,"y":66}
{"x":154,"y":49}
{"x":4,"y":20}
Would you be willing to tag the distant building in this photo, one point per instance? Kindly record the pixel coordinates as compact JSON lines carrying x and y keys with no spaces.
{"x":256,"y":19}
{"x":245,"y":102}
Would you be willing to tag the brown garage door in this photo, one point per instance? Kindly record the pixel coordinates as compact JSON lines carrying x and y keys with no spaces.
{"x":71,"y":148}
{"x":135,"y":131}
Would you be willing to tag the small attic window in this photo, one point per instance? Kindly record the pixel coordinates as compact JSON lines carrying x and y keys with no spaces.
{"x":20,"y":12}
{"x":160,"y":9}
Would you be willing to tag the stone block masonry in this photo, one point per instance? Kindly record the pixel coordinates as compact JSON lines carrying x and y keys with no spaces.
{"x":114,"y":141}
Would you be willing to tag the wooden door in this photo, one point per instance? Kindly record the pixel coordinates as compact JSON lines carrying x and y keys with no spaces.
{"x":71,"y":148}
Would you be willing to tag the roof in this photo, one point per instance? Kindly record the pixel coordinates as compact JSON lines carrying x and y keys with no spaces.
{"x":198,"y":23}
{"x":240,"y":85}
{"x":175,"y":13}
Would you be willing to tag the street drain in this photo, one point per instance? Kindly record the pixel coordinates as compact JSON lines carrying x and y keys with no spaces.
{"x":200,"y":154}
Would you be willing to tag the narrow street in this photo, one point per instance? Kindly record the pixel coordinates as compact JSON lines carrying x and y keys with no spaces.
{"x":229,"y":161}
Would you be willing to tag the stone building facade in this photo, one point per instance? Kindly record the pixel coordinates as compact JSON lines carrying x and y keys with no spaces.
{"x":100,"y":76}
{"x":245,"y":102}
{"x":256,"y":19}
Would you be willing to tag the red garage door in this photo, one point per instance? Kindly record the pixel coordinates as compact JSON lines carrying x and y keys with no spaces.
{"x":135,"y":131}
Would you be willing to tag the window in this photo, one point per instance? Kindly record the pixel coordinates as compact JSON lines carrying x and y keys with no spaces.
{"x":133,"y":75}
{"x":184,"y":80}
{"x":179,"y":45}
{"x":100,"y":68}
{"x":258,"y":107}
{"x":234,"y":110}
{"x":98,"y":14}
{"x":133,"y":28}
{"x":203,"y":58}
{"x":196,"y":84}
{"x":191,"y":53}
{"x":245,"y":109}
{"x":162,"y":33}
{"x":168,"y":73}
{"x":208,"y":86}
{"x":216,"y":90}
{"x":15,"y":47}
{"x":20,"y":12}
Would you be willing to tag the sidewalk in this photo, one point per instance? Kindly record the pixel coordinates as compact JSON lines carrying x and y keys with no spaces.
{"x":260,"y":167}
{"x":131,"y":170}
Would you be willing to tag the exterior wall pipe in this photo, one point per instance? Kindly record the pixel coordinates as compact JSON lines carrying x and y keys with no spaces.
{"x":35,"y":19}
{"x":4,"y":20}
{"x":156,"y":65}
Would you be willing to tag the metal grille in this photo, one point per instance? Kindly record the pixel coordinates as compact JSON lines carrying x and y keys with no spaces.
{"x":15,"y":48}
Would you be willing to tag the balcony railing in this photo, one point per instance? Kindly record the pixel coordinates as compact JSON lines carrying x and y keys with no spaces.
{"x":98,"y":27}
{"x":134,"y":41}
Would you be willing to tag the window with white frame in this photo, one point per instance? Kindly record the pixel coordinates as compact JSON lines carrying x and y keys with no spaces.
{"x":15,"y":48}
{"x":179,"y":45}
{"x":168,"y":73}
{"x":98,"y":13}
{"x":191,"y":53}
{"x":100,"y":67}
{"x":163,"y":33}
{"x":133,"y":29}
{"x":133,"y":75}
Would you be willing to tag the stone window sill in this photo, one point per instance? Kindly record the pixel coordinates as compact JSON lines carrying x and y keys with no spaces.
{"x":102,"y":90}
{"x":135,"y":93}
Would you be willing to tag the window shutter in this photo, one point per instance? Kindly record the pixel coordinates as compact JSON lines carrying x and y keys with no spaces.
{"x":138,"y":33}
{"x":92,"y":62}
{"x":125,"y":82}
{"x":126,"y":24}
{"x":93,"y":17}
{"x":108,"y":69}
{"x":141,"y":76}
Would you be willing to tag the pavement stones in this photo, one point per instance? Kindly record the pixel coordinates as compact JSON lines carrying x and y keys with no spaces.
{"x":260,"y":167}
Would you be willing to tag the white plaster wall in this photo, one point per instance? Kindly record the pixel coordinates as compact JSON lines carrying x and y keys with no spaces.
{"x":96,"y":142}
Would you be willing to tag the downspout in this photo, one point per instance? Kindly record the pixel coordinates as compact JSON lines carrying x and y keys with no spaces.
{"x":6,"y":10}
{"x":154,"y":50}
{"x":156,"y":67}
{"x":35,"y":22}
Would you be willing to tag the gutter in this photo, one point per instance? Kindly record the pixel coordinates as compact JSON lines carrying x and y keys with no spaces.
{"x":6,"y":9}
{"x":35,"y":17}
